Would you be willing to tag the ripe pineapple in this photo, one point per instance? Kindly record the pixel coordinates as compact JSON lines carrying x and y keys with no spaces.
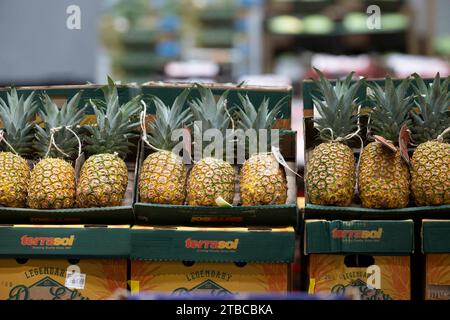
{"x":430,"y":163}
{"x":104,"y":176}
{"x":52,"y":183}
{"x":210,"y":178}
{"x":383,"y":174}
{"x":163,"y":174}
{"x":16,"y":115}
{"x":263,"y":180}
{"x":330,"y":176}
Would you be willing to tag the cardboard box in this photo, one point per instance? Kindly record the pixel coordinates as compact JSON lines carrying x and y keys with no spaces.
{"x":268,"y":215}
{"x":436,"y":247}
{"x":210,"y":278}
{"x":355,"y":211}
{"x":62,"y":262}
{"x":212,"y":261}
{"x":51,"y":279}
{"x":107,"y":215}
{"x":369,"y":260}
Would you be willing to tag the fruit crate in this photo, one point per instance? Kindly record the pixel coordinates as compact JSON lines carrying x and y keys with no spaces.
{"x":268,"y":215}
{"x":436,"y":250}
{"x":355,"y":210}
{"x":106,"y":215}
{"x":371,"y":257}
{"x":59,"y":262}
{"x":215,"y":261}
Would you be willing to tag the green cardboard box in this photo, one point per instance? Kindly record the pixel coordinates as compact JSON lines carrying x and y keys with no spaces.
{"x":270,"y":215}
{"x":107,"y":215}
{"x":436,"y":248}
{"x":355,"y":211}
{"x":76,"y":262}
{"x":369,"y":260}
{"x":216,"y":261}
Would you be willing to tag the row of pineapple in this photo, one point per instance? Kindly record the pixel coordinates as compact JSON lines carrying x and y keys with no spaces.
{"x":383,"y":178}
{"x":58,"y":136}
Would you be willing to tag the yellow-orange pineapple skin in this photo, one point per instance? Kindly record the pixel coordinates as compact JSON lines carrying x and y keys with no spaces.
{"x":262,"y":181}
{"x":14,"y":178}
{"x":209,"y":179}
{"x":330,"y":177}
{"x":430,"y":173}
{"x":383,"y":179}
{"x":103,"y":181}
{"x":52,"y":185}
{"x":163,"y":179}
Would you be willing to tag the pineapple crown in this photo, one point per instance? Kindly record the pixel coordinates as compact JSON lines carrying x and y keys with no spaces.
{"x":391,"y":108}
{"x":258,"y":119}
{"x":16,"y":115}
{"x":432,"y":101}
{"x":338,"y":119}
{"x":53,"y":117}
{"x":115,"y":123}
{"x":210,"y":114}
{"x":167,"y":120}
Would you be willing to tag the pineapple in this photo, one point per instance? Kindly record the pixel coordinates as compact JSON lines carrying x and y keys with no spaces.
{"x":383,"y":179}
{"x":16,"y":115}
{"x":104,"y":176}
{"x":330,"y":177}
{"x":211,"y":179}
{"x":52,"y":183}
{"x":263,"y":180}
{"x":163,"y":174}
{"x":430,"y":163}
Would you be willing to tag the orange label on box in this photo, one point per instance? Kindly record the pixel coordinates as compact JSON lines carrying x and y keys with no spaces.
{"x":437,"y":277}
{"x":209,"y":278}
{"x":387,"y":279}
{"x":56,"y":280}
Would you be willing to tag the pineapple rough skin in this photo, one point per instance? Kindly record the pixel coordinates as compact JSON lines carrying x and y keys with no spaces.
{"x":383,"y":178}
{"x":52,"y":185}
{"x":14,"y":178}
{"x":209,"y":179}
{"x":103,"y":181}
{"x":330,"y":179}
{"x":263,"y":181}
{"x":430,"y":173}
{"x":163,"y":179}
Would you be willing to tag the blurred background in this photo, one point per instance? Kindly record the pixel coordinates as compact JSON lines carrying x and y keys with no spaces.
{"x":262,"y":42}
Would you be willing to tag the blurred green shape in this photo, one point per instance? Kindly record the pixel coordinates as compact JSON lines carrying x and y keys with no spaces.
{"x":442,"y":45}
{"x":318,"y":24}
{"x":285,"y":25}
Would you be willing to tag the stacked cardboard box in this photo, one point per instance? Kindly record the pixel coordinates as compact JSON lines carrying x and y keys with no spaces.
{"x":216,"y":261}
{"x":369,"y":260}
{"x":62,"y":262}
{"x":436,"y":248}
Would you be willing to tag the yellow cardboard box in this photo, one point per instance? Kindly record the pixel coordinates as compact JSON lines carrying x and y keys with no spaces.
{"x":209,"y":278}
{"x":211,"y":260}
{"x":58,"y":279}
{"x":388,"y":278}
{"x":437,"y":276}
{"x":366,"y":259}
{"x":436,"y":248}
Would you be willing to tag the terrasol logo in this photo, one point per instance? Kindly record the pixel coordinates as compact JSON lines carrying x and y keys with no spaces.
{"x":211,"y":244}
{"x":357,"y":234}
{"x":47,"y":241}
